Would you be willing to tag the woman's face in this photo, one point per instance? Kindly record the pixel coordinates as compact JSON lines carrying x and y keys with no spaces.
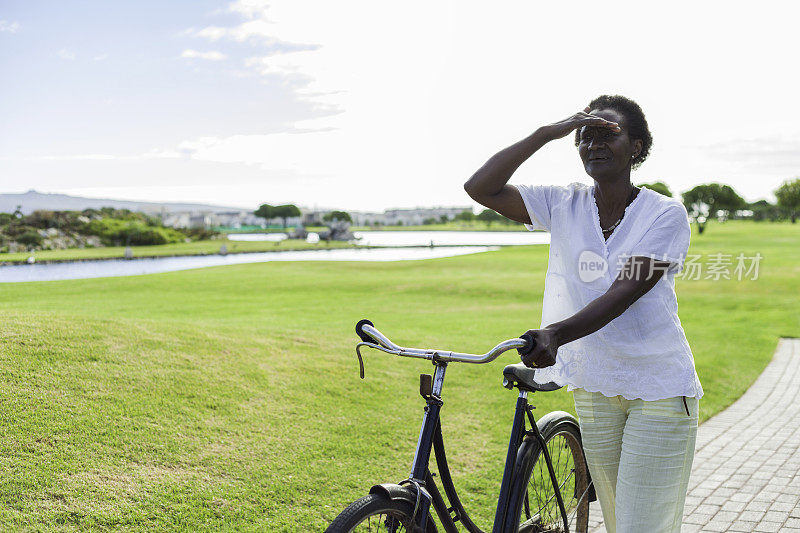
{"x":607,"y":153}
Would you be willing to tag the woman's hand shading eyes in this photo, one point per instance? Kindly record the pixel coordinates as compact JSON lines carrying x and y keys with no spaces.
{"x":562,"y":128}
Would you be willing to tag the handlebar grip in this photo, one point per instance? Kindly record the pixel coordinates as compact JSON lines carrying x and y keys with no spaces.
{"x":363,"y":336}
{"x":527,"y":336}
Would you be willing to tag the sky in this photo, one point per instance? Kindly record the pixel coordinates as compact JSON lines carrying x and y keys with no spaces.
{"x":367,"y":105}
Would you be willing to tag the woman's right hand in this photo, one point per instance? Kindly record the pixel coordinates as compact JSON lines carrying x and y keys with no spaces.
{"x":562,"y":128}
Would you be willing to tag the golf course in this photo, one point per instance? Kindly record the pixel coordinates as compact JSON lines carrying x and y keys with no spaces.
{"x":228,"y":398}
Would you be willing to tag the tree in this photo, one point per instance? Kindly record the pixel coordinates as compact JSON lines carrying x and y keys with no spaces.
{"x":466,"y":216}
{"x":704,"y":201}
{"x":659,"y":187}
{"x":265,"y":211}
{"x":284,"y":212}
{"x":489,"y":216}
{"x":788,"y":195}
{"x":763,"y":210}
{"x":287,"y":211}
{"x":343,"y":216}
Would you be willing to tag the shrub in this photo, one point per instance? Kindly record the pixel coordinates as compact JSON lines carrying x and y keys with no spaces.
{"x":118,"y":232}
{"x":30,"y":238}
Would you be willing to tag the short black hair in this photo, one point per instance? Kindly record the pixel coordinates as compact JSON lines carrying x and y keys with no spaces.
{"x":634,"y":118}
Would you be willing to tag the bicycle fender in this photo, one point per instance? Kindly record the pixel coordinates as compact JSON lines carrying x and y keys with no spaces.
{"x":393,"y":491}
{"x":397,"y":492}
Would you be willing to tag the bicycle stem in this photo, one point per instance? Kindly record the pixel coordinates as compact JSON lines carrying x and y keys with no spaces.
{"x":429,"y":421}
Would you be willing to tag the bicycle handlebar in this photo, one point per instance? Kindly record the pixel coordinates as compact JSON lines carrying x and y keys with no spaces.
{"x":373,"y":338}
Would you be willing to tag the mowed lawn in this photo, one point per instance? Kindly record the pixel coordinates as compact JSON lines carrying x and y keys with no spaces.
{"x":228,"y":398}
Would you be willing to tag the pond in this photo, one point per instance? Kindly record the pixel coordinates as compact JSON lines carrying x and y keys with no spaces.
{"x":425,"y":238}
{"x":135,"y":267}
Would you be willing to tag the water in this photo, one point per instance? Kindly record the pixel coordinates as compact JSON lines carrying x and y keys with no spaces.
{"x":451,"y":238}
{"x":135,"y":267}
{"x":271,"y":237}
{"x":425,"y":238}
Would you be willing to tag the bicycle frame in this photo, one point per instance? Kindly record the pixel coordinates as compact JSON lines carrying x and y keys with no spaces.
{"x":430,"y":438}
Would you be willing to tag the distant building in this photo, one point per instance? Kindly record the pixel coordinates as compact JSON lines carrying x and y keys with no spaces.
{"x":237,"y":219}
{"x":368,"y":219}
{"x":210,"y":219}
{"x":313,"y":217}
{"x":203,"y":220}
{"x":176,"y":220}
{"x":416,"y":216}
{"x":309,"y":217}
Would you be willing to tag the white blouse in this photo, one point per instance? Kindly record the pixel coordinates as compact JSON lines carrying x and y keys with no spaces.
{"x":643,"y":353}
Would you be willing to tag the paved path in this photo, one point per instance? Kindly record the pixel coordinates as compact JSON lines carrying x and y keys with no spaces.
{"x":746,"y":472}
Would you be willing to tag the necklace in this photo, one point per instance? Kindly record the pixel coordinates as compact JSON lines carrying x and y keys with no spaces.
{"x":615,"y":224}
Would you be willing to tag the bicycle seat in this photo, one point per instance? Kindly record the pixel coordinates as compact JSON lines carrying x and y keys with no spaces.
{"x":522,"y":376}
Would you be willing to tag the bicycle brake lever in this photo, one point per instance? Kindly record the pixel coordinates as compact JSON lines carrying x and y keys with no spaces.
{"x":360,"y":360}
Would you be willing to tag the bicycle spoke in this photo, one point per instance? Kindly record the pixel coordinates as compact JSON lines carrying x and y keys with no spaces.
{"x":574,"y":514}
{"x":562,"y":452}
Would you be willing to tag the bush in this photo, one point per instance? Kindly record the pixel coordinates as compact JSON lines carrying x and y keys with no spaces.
{"x":200,"y":234}
{"x":30,"y":238}
{"x":115,"y":232}
{"x":114,"y":227}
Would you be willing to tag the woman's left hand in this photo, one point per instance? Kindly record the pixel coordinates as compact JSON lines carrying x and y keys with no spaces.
{"x":544,"y":351}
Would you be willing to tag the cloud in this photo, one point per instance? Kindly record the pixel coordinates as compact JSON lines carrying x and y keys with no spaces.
{"x":77,"y":157}
{"x":309,"y":153}
{"x":66,"y":54}
{"x":210,"y":56}
{"x":9,"y":27}
{"x":258,"y":26}
{"x":774,"y":152}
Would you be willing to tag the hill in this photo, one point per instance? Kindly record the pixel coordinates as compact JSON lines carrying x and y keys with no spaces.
{"x":33,"y":200}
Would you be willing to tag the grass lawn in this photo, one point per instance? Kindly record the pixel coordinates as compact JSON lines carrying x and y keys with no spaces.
{"x":182,"y":248}
{"x":228,"y":398}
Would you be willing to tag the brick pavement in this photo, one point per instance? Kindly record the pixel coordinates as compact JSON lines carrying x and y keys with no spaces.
{"x":746,"y":471}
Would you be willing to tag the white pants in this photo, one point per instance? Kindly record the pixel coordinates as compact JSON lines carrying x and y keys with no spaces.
{"x":640,"y":457}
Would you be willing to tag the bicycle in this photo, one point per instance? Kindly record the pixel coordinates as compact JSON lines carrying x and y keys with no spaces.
{"x":543,"y":463}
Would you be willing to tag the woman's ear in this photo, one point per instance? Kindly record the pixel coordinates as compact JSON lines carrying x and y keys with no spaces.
{"x":637,"y":146}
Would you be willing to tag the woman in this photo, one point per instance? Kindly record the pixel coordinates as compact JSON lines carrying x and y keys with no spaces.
{"x":610,"y":329}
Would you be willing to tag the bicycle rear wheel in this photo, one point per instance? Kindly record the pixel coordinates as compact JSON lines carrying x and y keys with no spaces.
{"x":534,"y":505}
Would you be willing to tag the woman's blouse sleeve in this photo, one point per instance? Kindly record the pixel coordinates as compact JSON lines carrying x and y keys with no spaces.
{"x":539,"y":201}
{"x":667,"y":239}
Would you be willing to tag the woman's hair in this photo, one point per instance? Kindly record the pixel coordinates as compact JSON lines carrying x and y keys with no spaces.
{"x":634,"y":118}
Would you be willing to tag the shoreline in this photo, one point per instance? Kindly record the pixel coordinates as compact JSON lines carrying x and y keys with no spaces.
{"x":23,"y":262}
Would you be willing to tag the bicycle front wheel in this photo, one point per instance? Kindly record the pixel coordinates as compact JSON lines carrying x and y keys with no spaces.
{"x":535,"y":507}
{"x":376,"y":512}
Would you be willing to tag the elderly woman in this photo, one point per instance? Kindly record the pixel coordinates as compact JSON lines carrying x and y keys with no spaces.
{"x":610,"y":329}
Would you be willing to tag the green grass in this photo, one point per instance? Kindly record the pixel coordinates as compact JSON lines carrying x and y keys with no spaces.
{"x":228,"y":398}
{"x":184,"y":248}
